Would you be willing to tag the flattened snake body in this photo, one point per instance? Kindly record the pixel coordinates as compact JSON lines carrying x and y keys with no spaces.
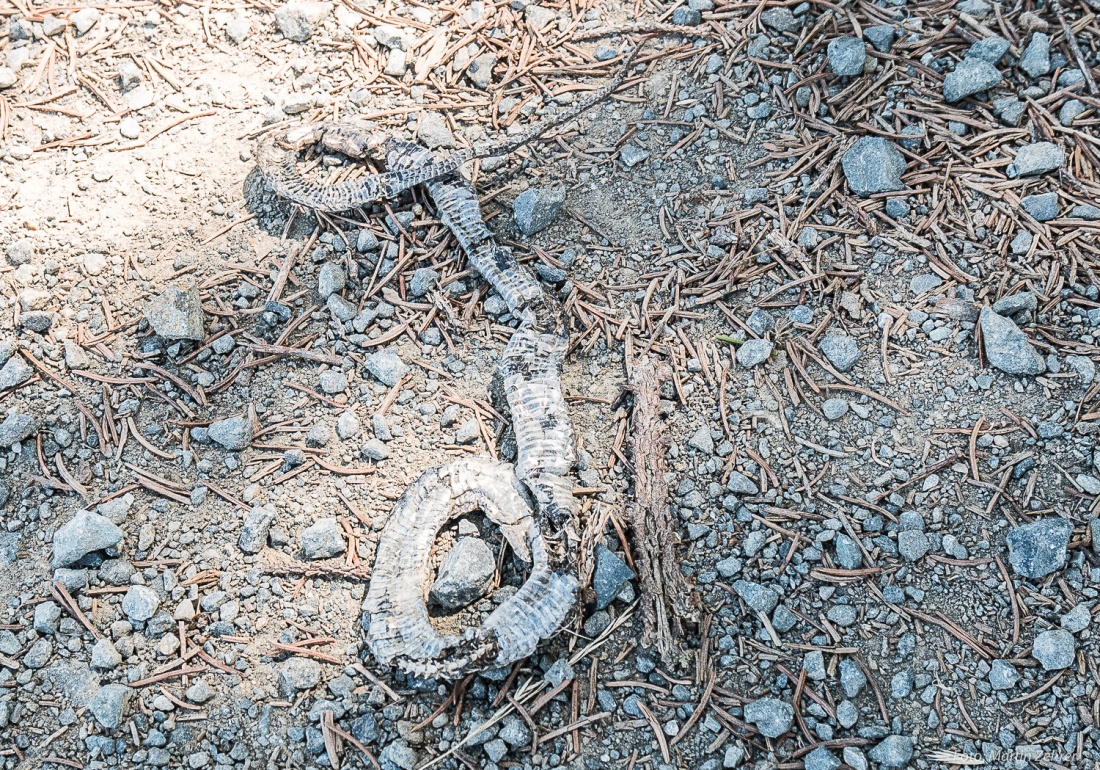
{"x":531,"y":501}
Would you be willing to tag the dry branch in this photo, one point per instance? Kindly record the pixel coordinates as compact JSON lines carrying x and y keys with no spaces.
{"x":667,"y":600}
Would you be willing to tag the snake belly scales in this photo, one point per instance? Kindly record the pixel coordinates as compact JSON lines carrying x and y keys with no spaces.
{"x":531,"y":502}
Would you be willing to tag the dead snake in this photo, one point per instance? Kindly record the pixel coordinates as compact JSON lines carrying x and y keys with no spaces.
{"x":532,"y":501}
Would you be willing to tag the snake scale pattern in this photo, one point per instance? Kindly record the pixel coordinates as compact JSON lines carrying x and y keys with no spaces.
{"x":532,"y":501}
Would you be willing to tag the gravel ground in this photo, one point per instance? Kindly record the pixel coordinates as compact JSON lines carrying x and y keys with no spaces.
{"x":863,"y":236}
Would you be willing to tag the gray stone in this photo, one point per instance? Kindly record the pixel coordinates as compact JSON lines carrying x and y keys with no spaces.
{"x":464,"y":574}
{"x":841,"y":350}
{"x":740,"y":484}
{"x":1021,"y":244}
{"x":631,"y":155}
{"x":15,"y":372}
{"x":702,"y":441}
{"x":852,"y":678}
{"x":1036,"y":550}
{"x":847,"y":56}
{"x":386,"y":366}
{"x":873,"y":165}
{"x":538,"y":16}
{"x":1037,"y":158}
{"x":395,"y":67}
{"x":536,"y":208}
{"x":15,"y":428}
{"x":896,"y":208}
{"x":347,"y":425}
{"x":901,"y":684}
{"x":735,"y":754}
{"x":1082,"y":365}
{"x":687,"y":17}
{"x":753,"y":353}
{"x":1086,"y":211}
{"x":324,"y":539}
{"x":843,"y":615}
{"x":759,"y":598}
{"x":728,"y":567}
{"x":399,"y":755}
{"x":38,"y":655}
{"x":913,"y":545}
{"x":1076,"y":620}
{"x":238,"y":28}
{"x":256,"y":527}
{"x":596,"y":623}
{"x":1010,"y":110}
{"x":1006,"y":347}
{"x":611,"y":576}
{"x":926,"y":282}
{"x":560,"y":671}
{"x":85,"y":533}
{"x":1071,"y":110}
{"x":104,"y":656}
{"x":331,"y":278}
{"x":74,"y":580}
{"x":1013,"y":304}
{"x":1043,"y":207}
{"x":970,"y":76}
{"x":129,"y":77}
{"x":37,"y":320}
{"x":821,"y":759}
{"x":848,"y":555}
{"x":232,"y":433}
{"x":423,"y":281}
{"x":814,"y":663}
{"x":989,"y":49}
{"x":108,"y":705}
{"x":847,"y":714}
{"x":47,"y":616}
{"x":834,"y":408}
{"x":910,"y":520}
{"x":496,"y":749}
{"x":140,"y":603}
{"x":176,"y":314}
{"x":8,"y":78}
{"x":365,"y":728}
{"x":375,"y":449}
{"x":760,"y":321}
{"x":881,"y":37}
{"x":480,"y":70}
{"x":20,"y":253}
{"x":200,"y":692}
{"x":893,"y":751}
{"x":1002,"y":675}
{"x":781,"y":20}
{"x":298,"y":20}
{"x":1054,"y":649}
{"x":772,"y":717}
{"x":515,"y":733}
{"x":297,"y":674}
{"x":808,"y":238}
{"x":433,"y":130}
{"x":1035,"y":60}
{"x":332,"y":381}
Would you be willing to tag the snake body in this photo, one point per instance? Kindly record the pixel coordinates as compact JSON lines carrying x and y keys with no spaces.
{"x":531,"y":501}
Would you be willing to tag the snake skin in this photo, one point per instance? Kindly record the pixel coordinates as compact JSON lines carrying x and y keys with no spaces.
{"x":278,"y":166}
{"x":532,"y":501}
